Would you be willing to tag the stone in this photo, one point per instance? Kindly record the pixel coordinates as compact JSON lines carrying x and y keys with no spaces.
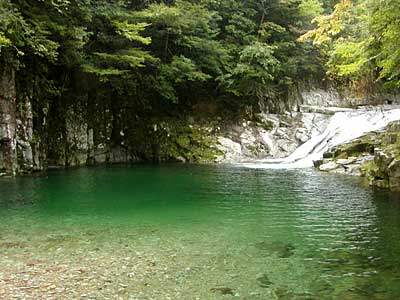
{"x":329,"y":166}
{"x":264,"y":281}
{"x":353,"y":169}
{"x":232,"y":150}
{"x":318,"y":163}
{"x":328,"y":154}
{"x":394,"y":183}
{"x":279,"y":248}
{"x":268,"y":136}
{"x":382,"y":159}
{"x":223,"y":290}
{"x":119,"y":155}
{"x":78,"y":143}
{"x":8,"y":121}
{"x":322,"y":110}
{"x":381,"y":183}
{"x":181,"y":159}
{"x":314,"y":95}
{"x":346,"y":161}
{"x":394,"y":169}
{"x":340,"y":170}
{"x":302,"y":135}
{"x":100,"y":156}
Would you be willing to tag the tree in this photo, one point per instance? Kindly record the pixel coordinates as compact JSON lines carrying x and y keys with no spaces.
{"x":360,"y":41}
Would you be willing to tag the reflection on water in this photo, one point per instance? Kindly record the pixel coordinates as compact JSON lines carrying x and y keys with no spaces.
{"x":202,"y":233}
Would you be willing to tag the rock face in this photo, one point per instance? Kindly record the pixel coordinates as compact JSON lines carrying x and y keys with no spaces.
{"x":328,"y":94}
{"x":8,"y":121}
{"x":26,"y":161}
{"x":268,"y":136}
{"x":76,"y":130}
{"x":16,"y":128}
{"x":376,"y":156}
{"x":349,"y":166}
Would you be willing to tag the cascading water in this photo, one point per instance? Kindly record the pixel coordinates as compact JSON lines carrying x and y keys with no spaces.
{"x":343,"y":127}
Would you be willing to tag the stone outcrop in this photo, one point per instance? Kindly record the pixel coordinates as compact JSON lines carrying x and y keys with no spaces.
{"x":384,"y":170}
{"x":312,"y":93}
{"x":24,"y":138}
{"x":8,"y":121}
{"x":18,"y":151}
{"x":76,"y":130}
{"x":375,"y":156}
{"x":268,"y":136}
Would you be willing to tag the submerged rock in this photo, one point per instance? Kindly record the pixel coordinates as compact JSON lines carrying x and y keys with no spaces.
{"x":264,"y":281}
{"x":281,"y":249}
{"x":223,"y":290}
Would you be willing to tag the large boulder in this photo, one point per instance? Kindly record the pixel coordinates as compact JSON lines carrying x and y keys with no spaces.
{"x":394,"y":174}
{"x":375,"y":156}
{"x":329,"y":166}
{"x":394,"y":168}
{"x":382,"y":159}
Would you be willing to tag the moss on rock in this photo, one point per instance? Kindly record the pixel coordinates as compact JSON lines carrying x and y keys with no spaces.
{"x":384,"y":170}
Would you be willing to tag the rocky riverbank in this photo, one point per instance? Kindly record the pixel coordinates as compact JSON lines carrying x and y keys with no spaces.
{"x":37,"y":135}
{"x":268,"y":136}
{"x":375,"y":156}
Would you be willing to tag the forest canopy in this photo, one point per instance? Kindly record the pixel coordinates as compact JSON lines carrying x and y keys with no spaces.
{"x":156,"y":54}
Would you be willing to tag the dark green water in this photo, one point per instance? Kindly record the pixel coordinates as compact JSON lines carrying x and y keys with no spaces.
{"x":193,"y":232}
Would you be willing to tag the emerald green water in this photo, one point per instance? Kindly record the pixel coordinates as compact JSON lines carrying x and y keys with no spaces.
{"x":196,"y":232}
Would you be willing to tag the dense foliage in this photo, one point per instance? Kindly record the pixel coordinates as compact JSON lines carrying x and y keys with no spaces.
{"x":361,"y":41}
{"x":158,"y":54}
{"x":129,"y":67}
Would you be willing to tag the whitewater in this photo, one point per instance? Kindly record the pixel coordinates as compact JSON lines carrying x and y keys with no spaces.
{"x":342,"y":127}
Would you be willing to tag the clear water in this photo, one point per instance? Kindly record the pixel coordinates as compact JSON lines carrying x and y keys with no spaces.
{"x":197,"y":232}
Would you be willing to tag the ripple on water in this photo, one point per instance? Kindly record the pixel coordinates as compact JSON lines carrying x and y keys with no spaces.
{"x":179,"y":232}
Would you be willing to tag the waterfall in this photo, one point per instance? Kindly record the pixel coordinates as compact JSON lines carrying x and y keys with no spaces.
{"x":342,"y":128}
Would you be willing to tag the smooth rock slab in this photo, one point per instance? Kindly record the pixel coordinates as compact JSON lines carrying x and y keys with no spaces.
{"x":328,"y":166}
{"x":382,"y":159}
{"x":394,"y":169}
{"x":347,"y":161}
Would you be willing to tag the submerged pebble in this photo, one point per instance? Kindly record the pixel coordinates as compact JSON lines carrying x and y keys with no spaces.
{"x":264,"y":281}
{"x":280,"y":249}
{"x":223,"y":290}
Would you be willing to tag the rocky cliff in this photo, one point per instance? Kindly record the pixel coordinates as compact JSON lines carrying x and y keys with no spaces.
{"x":36,"y":133}
{"x":375,"y":156}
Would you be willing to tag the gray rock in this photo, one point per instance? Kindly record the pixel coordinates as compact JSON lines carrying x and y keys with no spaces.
{"x":346,"y":161}
{"x":353,"y":169}
{"x":246,"y":141}
{"x":119,"y":155}
{"x":394,"y":183}
{"x":340,"y":170}
{"x":181,"y":159}
{"x":232,"y":150}
{"x":382,"y":159}
{"x":394,"y":169}
{"x":321,"y":97}
{"x":318,"y":163}
{"x":329,"y":166}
